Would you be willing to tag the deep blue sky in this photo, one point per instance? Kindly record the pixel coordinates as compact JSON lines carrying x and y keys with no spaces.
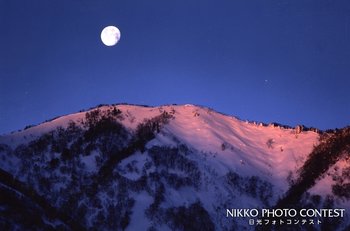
{"x":282,"y":61}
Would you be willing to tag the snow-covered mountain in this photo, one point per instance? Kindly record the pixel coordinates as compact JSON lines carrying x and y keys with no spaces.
{"x":127,"y":167}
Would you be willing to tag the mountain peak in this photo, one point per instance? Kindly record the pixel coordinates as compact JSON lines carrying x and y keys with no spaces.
{"x":152,"y":165}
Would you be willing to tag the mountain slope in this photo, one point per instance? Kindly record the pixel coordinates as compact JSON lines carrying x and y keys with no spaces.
{"x":137,"y":168}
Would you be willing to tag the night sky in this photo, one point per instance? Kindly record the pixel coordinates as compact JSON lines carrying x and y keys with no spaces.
{"x":269,"y":61}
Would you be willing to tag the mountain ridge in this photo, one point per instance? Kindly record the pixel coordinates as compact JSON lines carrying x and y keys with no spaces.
{"x":156,"y":164}
{"x":169,"y":105}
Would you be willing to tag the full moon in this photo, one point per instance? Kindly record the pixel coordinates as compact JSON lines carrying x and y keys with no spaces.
{"x":110,"y":35}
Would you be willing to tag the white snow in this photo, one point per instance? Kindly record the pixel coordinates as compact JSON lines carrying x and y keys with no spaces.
{"x":138,"y":219}
{"x":218,"y":143}
{"x":90,"y":161}
{"x":206,"y":130}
